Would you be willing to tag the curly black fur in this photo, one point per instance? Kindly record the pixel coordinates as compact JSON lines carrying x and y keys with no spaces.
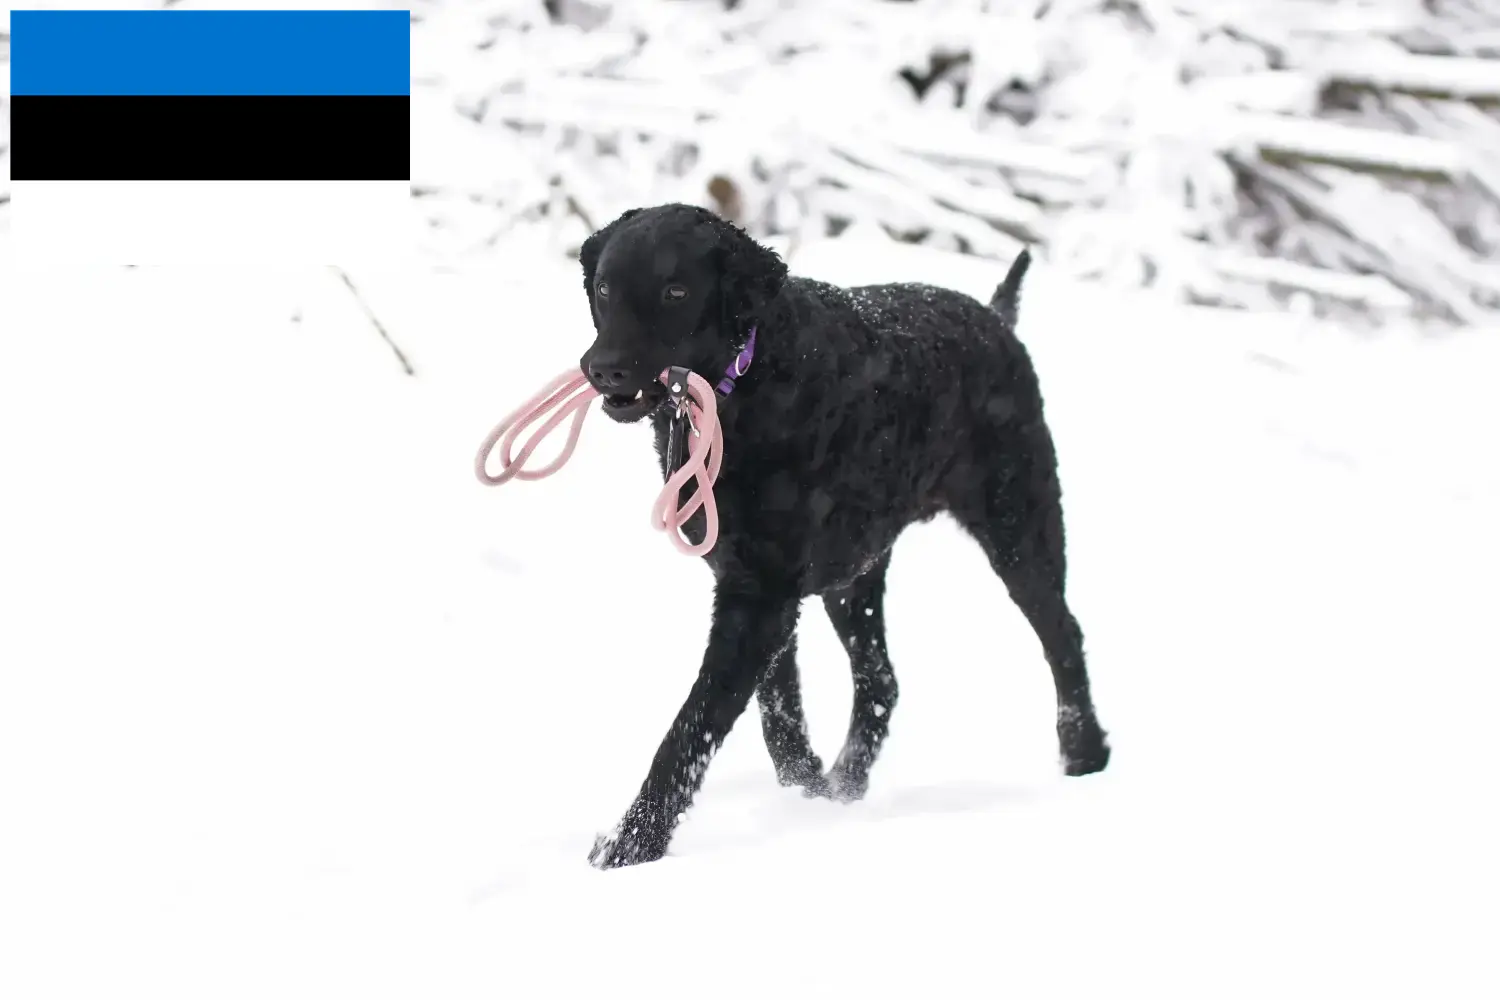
{"x":864,"y":410}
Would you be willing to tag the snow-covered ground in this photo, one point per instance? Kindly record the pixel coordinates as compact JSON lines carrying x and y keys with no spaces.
{"x":292,"y":707}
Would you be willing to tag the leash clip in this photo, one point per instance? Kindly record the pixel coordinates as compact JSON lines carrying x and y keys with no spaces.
{"x":677,"y":391}
{"x":682,"y":420}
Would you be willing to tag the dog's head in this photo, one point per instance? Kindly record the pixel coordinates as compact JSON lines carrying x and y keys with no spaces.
{"x":671,"y":285}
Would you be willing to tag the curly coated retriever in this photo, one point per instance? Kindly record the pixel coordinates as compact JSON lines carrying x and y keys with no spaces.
{"x":861,"y":411}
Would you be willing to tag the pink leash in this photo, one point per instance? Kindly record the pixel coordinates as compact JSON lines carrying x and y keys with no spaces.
{"x":570,"y":395}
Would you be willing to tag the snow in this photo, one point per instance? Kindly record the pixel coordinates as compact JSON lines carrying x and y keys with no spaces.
{"x":1331,"y":141}
{"x":1125,"y":143}
{"x":292,"y":706}
{"x":1478,"y":78}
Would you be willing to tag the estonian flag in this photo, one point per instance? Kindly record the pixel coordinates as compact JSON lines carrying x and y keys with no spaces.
{"x":285,"y":126}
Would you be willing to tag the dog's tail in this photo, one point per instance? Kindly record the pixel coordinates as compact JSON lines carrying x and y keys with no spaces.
{"x":1007,"y":297}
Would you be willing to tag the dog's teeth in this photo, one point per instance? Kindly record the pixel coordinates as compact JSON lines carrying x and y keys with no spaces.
{"x":638,"y":393}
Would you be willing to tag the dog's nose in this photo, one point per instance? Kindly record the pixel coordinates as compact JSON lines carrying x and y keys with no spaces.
{"x":608,"y":377}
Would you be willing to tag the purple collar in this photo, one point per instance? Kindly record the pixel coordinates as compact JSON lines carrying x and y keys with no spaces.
{"x":739,"y":366}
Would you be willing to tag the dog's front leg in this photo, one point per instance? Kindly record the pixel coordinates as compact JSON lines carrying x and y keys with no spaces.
{"x":749,"y":629}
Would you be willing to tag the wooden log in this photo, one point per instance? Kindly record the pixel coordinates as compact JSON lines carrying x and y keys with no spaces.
{"x":955,"y":140}
{"x":1462,"y":123}
{"x":1327,"y":195}
{"x":1347,"y":145}
{"x":983,"y":238}
{"x":1474,"y":42}
{"x":1371,"y":289}
{"x":1282,"y":23}
{"x":1022,"y":219}
{"x":1386,"y":69}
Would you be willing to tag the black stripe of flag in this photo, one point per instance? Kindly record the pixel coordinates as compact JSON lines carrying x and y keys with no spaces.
{"x":210,"y":95}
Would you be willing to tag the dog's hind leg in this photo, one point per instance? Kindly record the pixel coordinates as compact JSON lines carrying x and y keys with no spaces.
{"x":784,"y":724}
{"x":1016,"y":516}
{"x":752,"y":625}
{"x":858,"y":615}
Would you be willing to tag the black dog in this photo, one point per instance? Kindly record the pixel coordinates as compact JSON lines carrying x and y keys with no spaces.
{"x":862,"y":411}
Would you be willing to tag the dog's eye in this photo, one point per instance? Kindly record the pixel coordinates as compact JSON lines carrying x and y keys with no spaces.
{"x":674,"y":293}
{"x":603,"y":289}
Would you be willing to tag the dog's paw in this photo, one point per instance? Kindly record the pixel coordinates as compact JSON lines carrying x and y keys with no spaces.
{"x":816,"y":787}
{"x":1085,"y":748}
{"x":632,"y":845}
{"x":846,"y":784}
{"x":806,"y":773}
{"x":1088,"y":763}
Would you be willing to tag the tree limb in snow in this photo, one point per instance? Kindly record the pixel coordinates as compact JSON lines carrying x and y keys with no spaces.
{"x":1346,"y":145}
{"x":375,"y":320}
{"x":1446,"y":76}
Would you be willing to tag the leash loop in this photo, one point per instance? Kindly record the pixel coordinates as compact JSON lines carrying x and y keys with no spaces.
{"x":569,"y":395}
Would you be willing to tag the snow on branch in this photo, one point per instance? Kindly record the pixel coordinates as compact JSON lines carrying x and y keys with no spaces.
{"x":1439,"y":76}
{"x":1332,"y":142}
{"x":1231,"y":151}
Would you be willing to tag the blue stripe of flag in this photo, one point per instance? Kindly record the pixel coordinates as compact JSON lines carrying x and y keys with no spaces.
{"x":210,"y":52}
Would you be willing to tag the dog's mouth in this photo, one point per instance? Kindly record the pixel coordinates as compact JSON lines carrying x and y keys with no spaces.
{"x":630,"y":408}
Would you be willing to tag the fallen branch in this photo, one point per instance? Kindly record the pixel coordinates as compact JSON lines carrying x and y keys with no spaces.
{"x":1461,"y":123}
{"x":1370,"y":289}
{"x":982,"y":238}
{"x":962,"y":144}
{"x":1447,"y":76}
{"x":1412,"y":267}
{"x":1346,"y":145}
{"x":375,"y":320}
{"x":1022,"y":219}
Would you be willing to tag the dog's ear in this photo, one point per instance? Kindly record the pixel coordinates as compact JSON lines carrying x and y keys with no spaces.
{"x":750,"y":275}
{"x":588,"y":254}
